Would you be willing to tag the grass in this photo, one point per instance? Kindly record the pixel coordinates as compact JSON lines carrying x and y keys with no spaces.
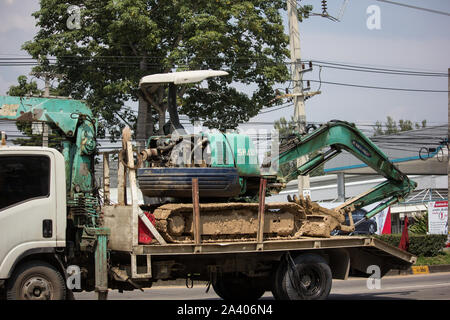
{"x":442,"y":258}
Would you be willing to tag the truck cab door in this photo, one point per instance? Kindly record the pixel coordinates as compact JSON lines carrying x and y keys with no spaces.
{"x":27,"y":205}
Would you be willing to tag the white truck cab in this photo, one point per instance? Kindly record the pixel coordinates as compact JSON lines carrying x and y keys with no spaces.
{"x":32,"y":204}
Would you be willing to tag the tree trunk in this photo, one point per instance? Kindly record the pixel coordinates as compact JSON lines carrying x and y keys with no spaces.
{"x":144,"y":126}
{"x":162,"y":120}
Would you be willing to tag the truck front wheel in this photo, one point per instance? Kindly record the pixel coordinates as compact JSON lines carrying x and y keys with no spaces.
{"x":36,"y":280}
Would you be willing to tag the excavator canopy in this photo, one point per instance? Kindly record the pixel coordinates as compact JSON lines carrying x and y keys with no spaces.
{"x":180,"y":77}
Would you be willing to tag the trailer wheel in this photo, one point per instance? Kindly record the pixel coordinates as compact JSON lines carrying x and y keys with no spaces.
{"x":36,"y":280}
{"x":237,"y":288}
{"x":313,"y":278}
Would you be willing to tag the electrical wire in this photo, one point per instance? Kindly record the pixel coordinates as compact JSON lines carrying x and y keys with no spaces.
{"x":415,"y":7}
{"x":412,"y":72}
{"x":76,"y":60}
{"x":378,"y":88}
{"x":400,"y":73}
{"x":280,"y":108}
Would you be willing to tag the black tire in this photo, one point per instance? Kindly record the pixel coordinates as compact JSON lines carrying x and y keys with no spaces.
{"x":70,"y":295}
{"x":315,"y":275}
{"x":36,"y":280}
{"x":278,"y":291}
{"x":238,"y":287}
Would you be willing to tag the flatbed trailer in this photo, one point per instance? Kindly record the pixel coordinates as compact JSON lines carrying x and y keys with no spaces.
{"x":345,"y":255}
{"x":237,"y":269}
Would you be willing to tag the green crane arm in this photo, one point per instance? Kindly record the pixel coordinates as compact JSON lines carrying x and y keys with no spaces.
{"x":76,"y":122}
{"x":338,"y":136}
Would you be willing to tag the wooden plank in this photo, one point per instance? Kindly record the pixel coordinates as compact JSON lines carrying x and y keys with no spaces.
{"x":121,"y":184}
{"x":118,"y":219}
{"x":134,"y":194}
{"x":196,"y":211}
{"x":137,"y":212}
{"x":106,"y":180}
{"x":261,"y":208}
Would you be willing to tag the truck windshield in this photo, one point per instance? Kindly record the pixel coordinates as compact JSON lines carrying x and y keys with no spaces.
{"x":23,"y":178}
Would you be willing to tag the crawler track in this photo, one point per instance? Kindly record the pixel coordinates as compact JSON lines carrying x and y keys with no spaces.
{"x":239,"y":222}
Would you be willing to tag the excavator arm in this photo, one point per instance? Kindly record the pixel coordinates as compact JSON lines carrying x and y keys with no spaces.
{"x":339,"y":136}
{"x":75,"y":121}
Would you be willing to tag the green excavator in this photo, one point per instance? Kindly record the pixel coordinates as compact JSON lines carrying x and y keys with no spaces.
{"x":229,"y":176}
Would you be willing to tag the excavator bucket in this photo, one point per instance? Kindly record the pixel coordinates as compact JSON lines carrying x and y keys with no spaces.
{"x":320,"y":221}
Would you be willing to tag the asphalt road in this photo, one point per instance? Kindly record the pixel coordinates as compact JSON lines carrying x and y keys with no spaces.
{"x":434,"y":286}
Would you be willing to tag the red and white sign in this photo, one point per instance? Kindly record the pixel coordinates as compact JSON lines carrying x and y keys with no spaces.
{"x":438,"y":217}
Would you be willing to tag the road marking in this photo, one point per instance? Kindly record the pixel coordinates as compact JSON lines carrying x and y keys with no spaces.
{"x":356,"y":291}
{"x":421,"y":286}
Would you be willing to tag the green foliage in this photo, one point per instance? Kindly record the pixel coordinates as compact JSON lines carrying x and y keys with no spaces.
{"x":420,"y":225}
{"x":391,"y":126}
{"x":285,"y":129}
{"x":121,"y":41}
{"x":419,"y":245}
{"x":304,"y":12}
{"x":441,"y":258}
{"x":25,"y":88}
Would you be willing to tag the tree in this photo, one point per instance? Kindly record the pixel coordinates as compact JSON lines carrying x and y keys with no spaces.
{"x":378,"y":129}
{"x":285,"y":130}
{"x":118,"y":42}
{"x":25,"y":88}
{"x":405,"y":125}
{"x":392,"y":128}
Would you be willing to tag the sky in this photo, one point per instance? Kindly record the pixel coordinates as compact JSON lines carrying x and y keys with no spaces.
{"x":408,"y":39}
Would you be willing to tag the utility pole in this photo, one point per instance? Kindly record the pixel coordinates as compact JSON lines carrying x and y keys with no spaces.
{"x":448,"y":155}
{"x":298,"y":96}
{"x":47,"y":76}
{"x":45,"y":125}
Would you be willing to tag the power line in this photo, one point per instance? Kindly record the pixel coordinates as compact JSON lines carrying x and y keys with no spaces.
{"x":283,"y":107}
{"x":346,"y":64}
{"x":393,"y":72}
{"x":76,"y":61}
{"x":414,"y":7}
{"x":377,"y":88}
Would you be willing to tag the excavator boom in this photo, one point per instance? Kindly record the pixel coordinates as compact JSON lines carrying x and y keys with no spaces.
{"x":339,"y":136}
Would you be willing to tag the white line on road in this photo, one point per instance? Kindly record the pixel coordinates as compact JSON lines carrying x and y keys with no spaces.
{"x":352,"y":290}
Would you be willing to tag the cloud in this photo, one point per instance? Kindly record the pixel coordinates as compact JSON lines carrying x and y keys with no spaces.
{"x":17,"y":22}
{"x":17,"y":17}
